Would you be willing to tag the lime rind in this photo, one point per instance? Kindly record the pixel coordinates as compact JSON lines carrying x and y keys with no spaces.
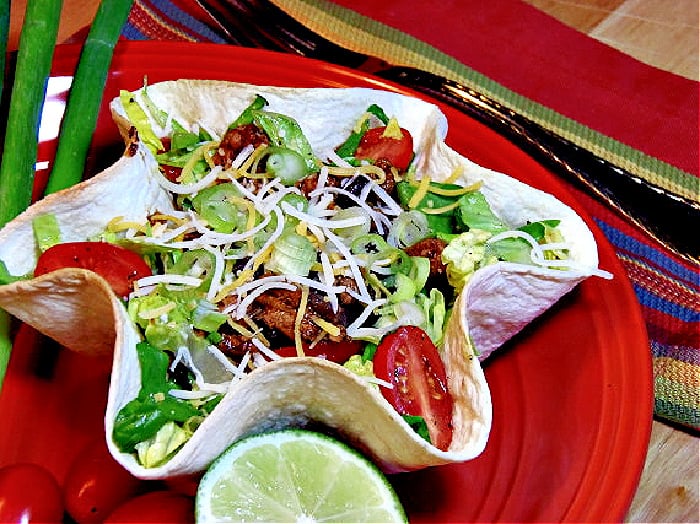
{"x":295,"y":476}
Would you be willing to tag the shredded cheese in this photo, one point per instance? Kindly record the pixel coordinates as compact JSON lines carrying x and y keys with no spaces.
{"x":297,"y":321}
{"x":420,"y":193}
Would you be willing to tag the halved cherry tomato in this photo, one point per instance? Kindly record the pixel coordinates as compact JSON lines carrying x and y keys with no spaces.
{"x":29,"y":493}
{"x":375,"y":146}
{"x":409,"y":360}
{"x":117,"y":265}
{"x":156,"y":506}
{"x":337,"y":352}
{"x":96,"y":484}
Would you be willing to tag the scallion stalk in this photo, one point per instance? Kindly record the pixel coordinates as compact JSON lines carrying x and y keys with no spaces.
{"x":85,"y":95}
{"x":4,"y":33}
{"x":34,"y":55}
{"x":35,"y":52}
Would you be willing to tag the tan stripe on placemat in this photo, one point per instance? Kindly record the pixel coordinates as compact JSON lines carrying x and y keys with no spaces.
{"x":361,"y":34}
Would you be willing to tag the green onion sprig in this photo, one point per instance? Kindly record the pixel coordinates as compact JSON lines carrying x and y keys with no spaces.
{"x":85,"y":97}
{"x":36,"y":44}
{"x":35,"y":52}
{"x":4,"y":33}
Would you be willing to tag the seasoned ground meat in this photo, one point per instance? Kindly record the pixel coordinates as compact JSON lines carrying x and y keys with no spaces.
{"x":235,"y":140}
{"x":389,"y":183}
{"x":431,"y":248}
{"x":307,"y":184}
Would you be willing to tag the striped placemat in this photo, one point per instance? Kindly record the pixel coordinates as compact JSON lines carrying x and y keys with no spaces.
{"x":667,"y":286}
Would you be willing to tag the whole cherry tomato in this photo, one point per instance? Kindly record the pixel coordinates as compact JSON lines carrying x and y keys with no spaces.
{"x":96,"y":484}
{"x":156,"y":506}
{"x":184,"y":484}
{"x":409,"y":360}
{"x":29,"y":493}
{"x":374,"y":145}
{"x":117,"y":265}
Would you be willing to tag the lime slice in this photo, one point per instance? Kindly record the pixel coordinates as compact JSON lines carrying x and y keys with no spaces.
{"x":295,"y":476}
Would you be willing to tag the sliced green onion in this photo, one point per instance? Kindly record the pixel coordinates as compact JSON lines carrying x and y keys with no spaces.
{"x":85,"y":95}
{"x":408,"y":228}
{"x":285,"y":164}
{"x":292,"y":254}
{"x":354,"y":231}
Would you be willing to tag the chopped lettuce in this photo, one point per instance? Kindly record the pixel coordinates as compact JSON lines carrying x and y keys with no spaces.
{"x":464,"y":255}
{"x":138,"y":117}
{"x":47,"y":232}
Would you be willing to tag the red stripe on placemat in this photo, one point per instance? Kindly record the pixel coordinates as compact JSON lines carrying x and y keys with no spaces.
{"x":535,"y":55}
{"x":670,"y":331}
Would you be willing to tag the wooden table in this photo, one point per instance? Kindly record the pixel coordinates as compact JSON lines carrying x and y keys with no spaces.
{"x":662,"y":33}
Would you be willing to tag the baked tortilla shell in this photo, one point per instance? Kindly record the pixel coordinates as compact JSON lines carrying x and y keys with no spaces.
{"x":498,"y":301}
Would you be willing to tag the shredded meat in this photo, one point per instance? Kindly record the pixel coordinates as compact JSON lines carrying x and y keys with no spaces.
{"x":275,"y":313}
{"x":235,"y":140}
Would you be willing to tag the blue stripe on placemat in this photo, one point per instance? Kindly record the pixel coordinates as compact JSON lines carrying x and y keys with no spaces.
{"x":200,"y":30}
{"x":623,"y":241}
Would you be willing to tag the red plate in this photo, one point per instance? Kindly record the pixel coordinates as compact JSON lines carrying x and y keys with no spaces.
{"x":572,"y":395}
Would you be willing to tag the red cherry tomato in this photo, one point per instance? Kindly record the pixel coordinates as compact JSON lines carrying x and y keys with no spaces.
{"x":375,"y":146}
{"x":117,"y":265}
{"x":409,"y":360}
{"x":96,"y":484}
{"x":156,"y":506}
{"x":185,"y":484}
{"x":29,"y":493}
{"x":337,"y":352}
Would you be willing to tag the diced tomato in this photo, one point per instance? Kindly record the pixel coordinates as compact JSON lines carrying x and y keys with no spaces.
{"x":337,"y":352}
{"x":375,"y":146}
{"x":171,"y":173}
{"x":117,"y":265}
{"x":409,"y":360}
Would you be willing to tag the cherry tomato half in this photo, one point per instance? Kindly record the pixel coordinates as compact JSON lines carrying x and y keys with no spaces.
{"x":409,"y":360}
{"x":337,"y":352}
{"x":375,"y":146}
{"x":117,"y":265}
{"x":29,"y":493}
{"x":156,"y":506}
{"x":96,"y":484}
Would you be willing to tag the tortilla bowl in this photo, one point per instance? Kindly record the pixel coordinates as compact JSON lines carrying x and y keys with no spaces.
{"x":78,"y":309}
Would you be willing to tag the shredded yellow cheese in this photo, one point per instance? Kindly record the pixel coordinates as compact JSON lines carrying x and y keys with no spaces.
{"x":440,"y":210}
{"x":420,"y":193}
{"x":456,"y":173}
{"x":243,"y":277}
{"x":157,"y":312}
{"x":456,"y":191}
{"x":119,"y":224}
{"x":360,"y":122}
{"x":252,"y":161}
{"x":393,"y":130}
{"x":326,"y":326}
{"x":297,"y":321}
{"x":367,"y":169}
